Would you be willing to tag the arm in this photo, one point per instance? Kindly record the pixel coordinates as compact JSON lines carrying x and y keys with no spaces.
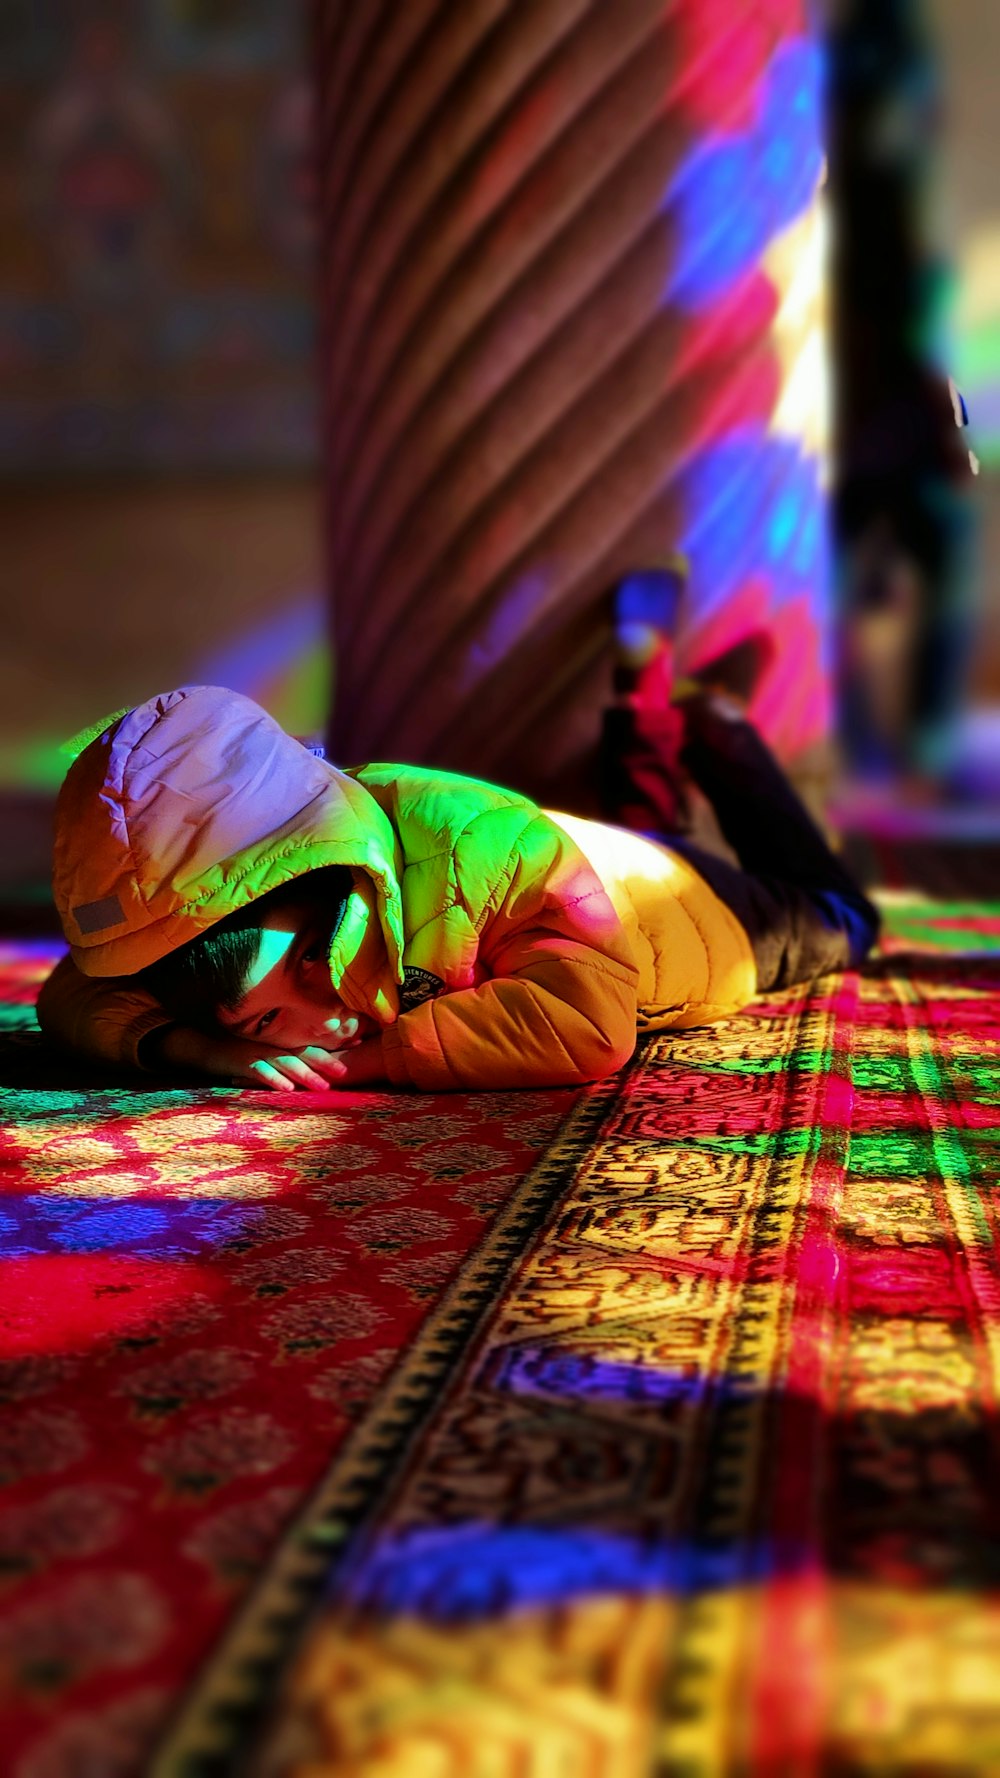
{"x":108,"y":1019}
{"x":242,"y":1063}
{"x":559,"y":1005}
{"x":104,"y":1018}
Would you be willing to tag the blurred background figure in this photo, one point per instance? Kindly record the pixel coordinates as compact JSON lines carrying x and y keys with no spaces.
{"x":906,"y":512}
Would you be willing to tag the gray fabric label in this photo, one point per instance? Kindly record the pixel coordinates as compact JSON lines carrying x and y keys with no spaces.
{"x":94,"y":916}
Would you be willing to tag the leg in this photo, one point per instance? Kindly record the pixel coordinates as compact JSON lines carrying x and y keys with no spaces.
{"x":641,"y":784}
{"x":802,"y":909}
{"x":796,"y":933}
{"x":804,"y":914}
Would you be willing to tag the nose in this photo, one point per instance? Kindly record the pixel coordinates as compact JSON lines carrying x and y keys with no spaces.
{"x":342,"y":1024}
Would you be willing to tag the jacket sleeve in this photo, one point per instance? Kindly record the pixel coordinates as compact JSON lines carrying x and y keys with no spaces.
{"x":103,"y":1017}
{"x":558,"y":1006}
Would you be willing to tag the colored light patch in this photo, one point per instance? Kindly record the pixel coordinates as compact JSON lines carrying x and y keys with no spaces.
{"x":976,"y":356}
{"x":885,"y":1074}
{"x":534,"y":1371}
{"x":753,"y":501}
{"x":985,"y":400}
{"x":33,"y":765}
{"x":469,"y":1572}
{"x":515,"y":615}
{"x":733,"y":195}
{"x":749,"y":1141}
{"x":283,"y":663}
{"x":38,"y":1223}
{"x":977,"y":361}
{"x":724,"y":55}
{"x":62,"y":1302}
{"x":957,"y":926}
{"x":956,"y":939}
{"x":911,"y":1105}
{"x":797,"y":262}
{"x":757,"y":541}
{"x":799,"y":1062}
{"x":892,"y":1154}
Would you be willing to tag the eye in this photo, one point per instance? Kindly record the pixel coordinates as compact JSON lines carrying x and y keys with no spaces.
{"x":263,"y":1023}
{"x":318,"y":948}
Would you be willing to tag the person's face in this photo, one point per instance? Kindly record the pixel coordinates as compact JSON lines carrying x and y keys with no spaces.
{"x":289,"y":999}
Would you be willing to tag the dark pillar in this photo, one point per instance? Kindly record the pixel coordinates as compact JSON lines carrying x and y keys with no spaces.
{"x":571,"y":287}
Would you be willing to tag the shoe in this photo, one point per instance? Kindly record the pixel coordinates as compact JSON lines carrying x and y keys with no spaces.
{"x":646,"y":609}
{"x":731,"y":677}
{"x":642,"y":784}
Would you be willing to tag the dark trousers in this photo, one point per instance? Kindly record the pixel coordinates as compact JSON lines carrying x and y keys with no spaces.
{"x":802,"y":910}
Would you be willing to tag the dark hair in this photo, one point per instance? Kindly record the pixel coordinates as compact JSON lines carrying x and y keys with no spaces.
{"x":211,"y":971}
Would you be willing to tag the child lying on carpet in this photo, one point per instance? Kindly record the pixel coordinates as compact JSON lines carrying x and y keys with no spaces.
{"x":237,"y":906}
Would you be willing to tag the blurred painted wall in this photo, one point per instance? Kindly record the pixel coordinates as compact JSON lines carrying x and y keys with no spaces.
{"x":573,"y":270}
{"x":157,"y":496}
{"x":158,"y":501}
{"x":155,"y":236}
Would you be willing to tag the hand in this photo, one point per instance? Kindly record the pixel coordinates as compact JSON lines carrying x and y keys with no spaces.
{"x":356,"y":1065}
{"x":316,"y":1069}
{"x":249,"y":1064}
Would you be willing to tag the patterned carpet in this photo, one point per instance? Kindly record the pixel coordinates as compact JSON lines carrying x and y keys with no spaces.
{"x":689,"y":1468}
{"x":201,"y":1292}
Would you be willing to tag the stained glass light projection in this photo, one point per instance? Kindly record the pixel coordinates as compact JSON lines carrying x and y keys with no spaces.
{"x":572,"y":300}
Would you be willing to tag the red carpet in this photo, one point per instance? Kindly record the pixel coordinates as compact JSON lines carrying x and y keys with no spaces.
{"x":689,"y":1469}
{"x":201,"y":1291}
{"x":712,"y":1485}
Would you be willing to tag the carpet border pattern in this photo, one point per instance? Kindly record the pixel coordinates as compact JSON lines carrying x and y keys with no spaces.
{"x":218,"y":1714}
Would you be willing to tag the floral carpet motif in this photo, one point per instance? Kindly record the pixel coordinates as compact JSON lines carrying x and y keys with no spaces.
{"x":202,"y":1291}
{"x":710,"y":1486}
{"x":389,"y":1435}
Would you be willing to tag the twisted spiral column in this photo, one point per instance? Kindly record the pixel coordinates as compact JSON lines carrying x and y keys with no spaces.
{"x":569,"y":295}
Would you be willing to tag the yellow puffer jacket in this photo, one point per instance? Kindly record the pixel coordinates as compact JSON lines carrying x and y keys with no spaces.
{"x":522,"y":947}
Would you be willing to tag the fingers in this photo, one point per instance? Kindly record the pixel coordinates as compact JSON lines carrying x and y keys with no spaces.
{"x":311,"y":1070}
{"x":285,"y":1074}
{"x":327,"y":1063}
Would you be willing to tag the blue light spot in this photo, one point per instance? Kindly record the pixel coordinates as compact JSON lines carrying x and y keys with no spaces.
{"x":783,"y":523}
{"x":470,"y":1573}
{"x":45,"y":1223}
{"x":754,"y":505}
{"x":123,"y":1226}
{"x":729,"y":199}
{"x":275,"y":645}
{"x":722,"y":228}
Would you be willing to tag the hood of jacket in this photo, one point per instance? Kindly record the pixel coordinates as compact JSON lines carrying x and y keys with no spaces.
{"x":192,"y":805}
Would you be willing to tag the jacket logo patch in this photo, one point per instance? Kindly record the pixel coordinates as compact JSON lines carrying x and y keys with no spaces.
{"x":95,"y":916}
{"x":418,"y":985}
